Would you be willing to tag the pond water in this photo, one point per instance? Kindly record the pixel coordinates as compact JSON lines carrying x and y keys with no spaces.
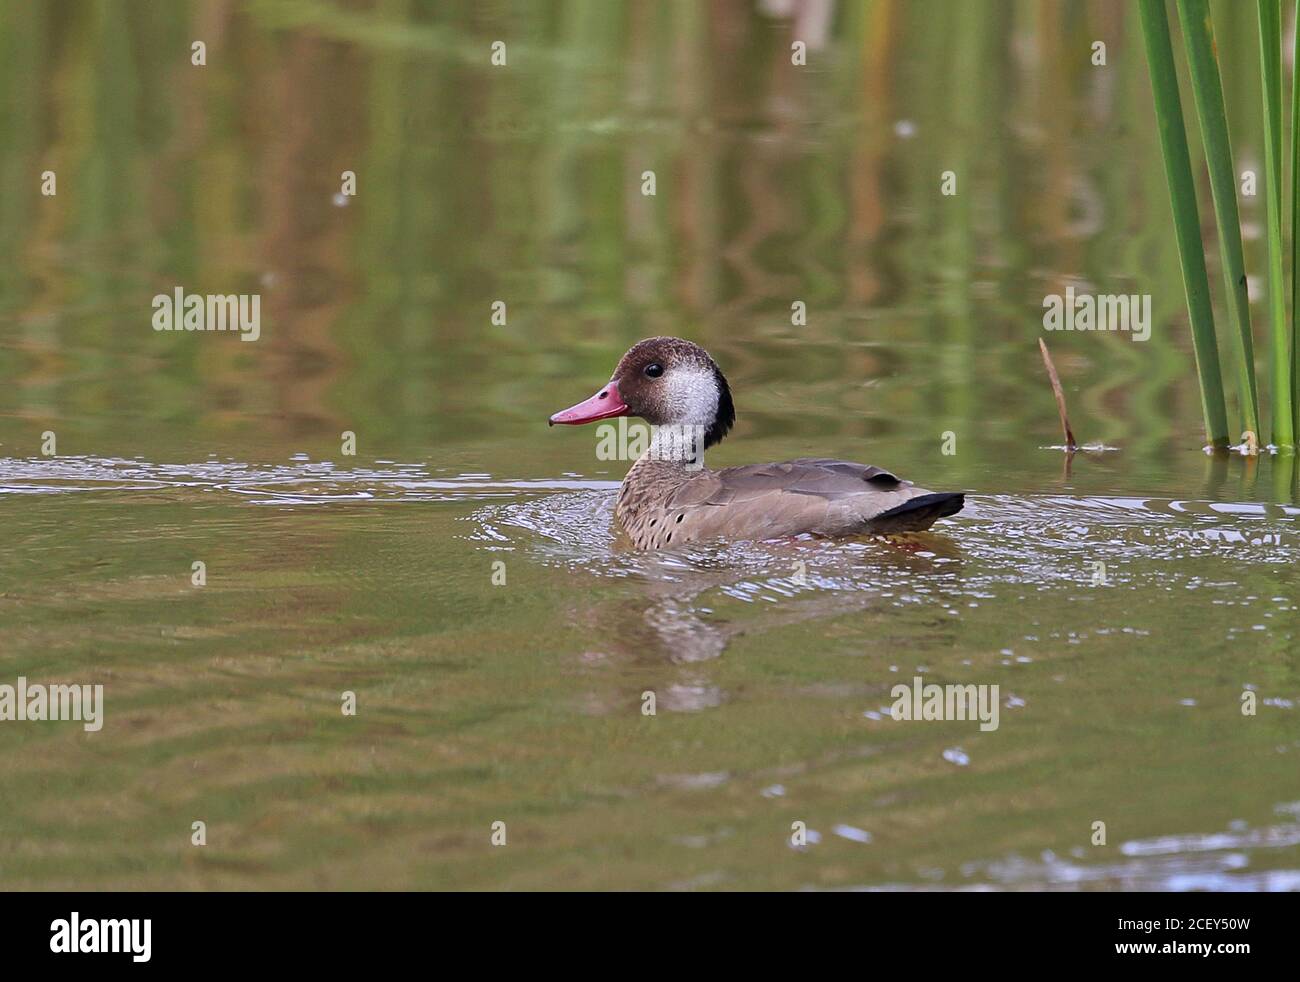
{"x":458,"y":573}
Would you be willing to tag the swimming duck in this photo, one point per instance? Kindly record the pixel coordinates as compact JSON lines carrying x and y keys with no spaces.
{"x":669,"y":497}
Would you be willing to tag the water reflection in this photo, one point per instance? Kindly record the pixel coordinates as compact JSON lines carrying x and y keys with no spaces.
{"x":478,"y":184}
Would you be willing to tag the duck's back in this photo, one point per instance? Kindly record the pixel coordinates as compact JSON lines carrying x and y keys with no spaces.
{"x":818,"y":496}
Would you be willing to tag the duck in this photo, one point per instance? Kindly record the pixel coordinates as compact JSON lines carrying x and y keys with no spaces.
{"x":669,"y":498}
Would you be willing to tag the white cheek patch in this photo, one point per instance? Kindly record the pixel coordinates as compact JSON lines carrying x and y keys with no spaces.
{"x":690,"y":397}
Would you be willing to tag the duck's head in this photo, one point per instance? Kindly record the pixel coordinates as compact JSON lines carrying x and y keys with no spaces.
{"x":666,"y":382}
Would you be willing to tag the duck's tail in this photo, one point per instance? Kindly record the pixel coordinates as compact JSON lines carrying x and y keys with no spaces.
{"x":917,"y":514}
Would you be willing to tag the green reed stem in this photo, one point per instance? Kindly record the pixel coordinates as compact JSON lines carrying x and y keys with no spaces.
{"x":1270,"y":61}
{"x":1295,"y":227}
{"x":1207,"y":91}
{"x":1187,"y":225}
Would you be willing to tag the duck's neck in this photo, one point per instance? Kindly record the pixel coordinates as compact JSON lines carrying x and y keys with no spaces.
{"x":675,"y":444}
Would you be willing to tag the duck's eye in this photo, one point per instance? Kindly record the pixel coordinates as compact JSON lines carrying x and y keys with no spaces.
{"x":654,"y":370}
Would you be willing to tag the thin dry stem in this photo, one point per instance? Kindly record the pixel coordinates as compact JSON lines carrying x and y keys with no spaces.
{"x":1070,"y":444}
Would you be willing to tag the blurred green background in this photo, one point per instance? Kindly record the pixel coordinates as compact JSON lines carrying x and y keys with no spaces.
{"x":476,"y":183}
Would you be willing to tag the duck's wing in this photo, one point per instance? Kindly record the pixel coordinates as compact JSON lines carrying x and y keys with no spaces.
{"x":820,"y":496}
